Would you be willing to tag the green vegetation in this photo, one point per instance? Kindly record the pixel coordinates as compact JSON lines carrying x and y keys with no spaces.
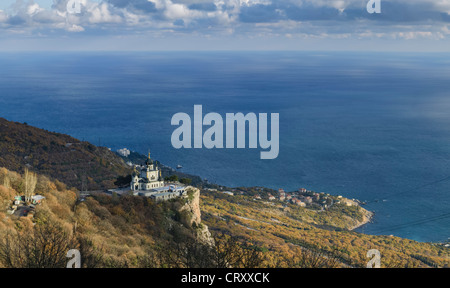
{"x":110,"y":231}
{"x":190,"y":194}
{"x":129,"y":231}
{"x":171,"y":178}
{"x":186,"y":181}
{"x":290,"y":231}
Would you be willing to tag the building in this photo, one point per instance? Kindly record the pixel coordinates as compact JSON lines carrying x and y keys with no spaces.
{"x":307,"y":199}
{"x":37,"y":199}
{"x":175,"y":191}
{"x":124,"y":152}
{"x":147,"y":182}
{"x":17,"y":200}
{"x":148,"y":178}
{"x":163,"y":196}
{"x":298,"y":202}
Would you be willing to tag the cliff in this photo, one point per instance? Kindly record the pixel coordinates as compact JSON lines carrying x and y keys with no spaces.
{"x":192,"y":207}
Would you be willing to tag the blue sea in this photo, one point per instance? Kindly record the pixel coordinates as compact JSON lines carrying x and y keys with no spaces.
{"x":370,"y":126}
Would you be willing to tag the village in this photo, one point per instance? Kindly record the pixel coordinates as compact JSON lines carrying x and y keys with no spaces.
{"x":302,"y":197}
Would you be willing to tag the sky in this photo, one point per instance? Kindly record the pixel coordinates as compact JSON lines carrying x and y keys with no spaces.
{"x":402,"y":25}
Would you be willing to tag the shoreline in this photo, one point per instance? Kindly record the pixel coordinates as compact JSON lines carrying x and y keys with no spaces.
{"x":368,"y":216}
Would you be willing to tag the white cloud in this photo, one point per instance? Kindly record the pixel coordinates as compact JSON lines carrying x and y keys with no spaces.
{"x":33,"y":9}
{"x":75,"y":28}
{"x":3,"y":16}
{"x":316,"y":18}
{"x":176,"y":11}
{"x":101,"y":14}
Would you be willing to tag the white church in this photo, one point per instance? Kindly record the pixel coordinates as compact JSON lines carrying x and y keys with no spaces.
{"x":148,"y":178}
{"x":148,"y":182}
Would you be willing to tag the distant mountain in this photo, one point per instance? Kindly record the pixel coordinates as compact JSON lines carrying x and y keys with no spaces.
{"x":71,"y":161}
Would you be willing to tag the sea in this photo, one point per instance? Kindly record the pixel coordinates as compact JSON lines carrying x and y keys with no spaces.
{"x":364,"y":125}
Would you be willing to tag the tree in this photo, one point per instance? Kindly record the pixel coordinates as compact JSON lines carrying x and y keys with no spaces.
{"x":123,"y":181}
{"x":6,"y":181}
{"x":230,"y":252}
{"x":172,"y":178}
{"x":186,"y":181}
{"x":30,"y":181}
{"x":189,"y":252}
{"x":311,"y":258}
{"x":45,"y":246}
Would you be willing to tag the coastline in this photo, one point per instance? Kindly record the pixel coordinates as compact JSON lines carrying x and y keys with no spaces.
{"x":353,"y":223}
{"x":367,"y":218}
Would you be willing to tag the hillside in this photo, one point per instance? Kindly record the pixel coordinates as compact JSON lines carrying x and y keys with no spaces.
{"x":286,"y":232}
{"x":73,"y":162}
{"x":109,"y":231}
{"x":250,"y":226}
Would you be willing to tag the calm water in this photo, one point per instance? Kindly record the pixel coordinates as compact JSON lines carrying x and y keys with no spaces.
{"x":369,"y":126}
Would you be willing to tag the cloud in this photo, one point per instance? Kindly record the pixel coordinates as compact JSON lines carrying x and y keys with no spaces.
{"x":260,"y":13}
{"x":102,"y":14}
{"x":135,"y":5}
{"x":3,"y":16}
{"x":75,"y":28}
{"x":317,"y":18}
{"x":206,"y":6}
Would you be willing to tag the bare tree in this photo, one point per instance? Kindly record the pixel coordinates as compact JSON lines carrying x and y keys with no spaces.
{"x":30,"y":181}
{"x":46,"y":246}
{"x":7,"y":181}
{"x":91,"y":256}
{"x":228,"y":252}
{"x":310,"y":258}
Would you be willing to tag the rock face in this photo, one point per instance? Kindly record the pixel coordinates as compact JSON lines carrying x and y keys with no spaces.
{"x":193,"y":207}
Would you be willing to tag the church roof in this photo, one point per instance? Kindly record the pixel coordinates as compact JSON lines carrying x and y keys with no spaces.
{"x":149,"y":160}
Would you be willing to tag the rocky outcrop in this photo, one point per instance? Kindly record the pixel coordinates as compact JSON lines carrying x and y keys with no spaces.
{"x":192,"y":206}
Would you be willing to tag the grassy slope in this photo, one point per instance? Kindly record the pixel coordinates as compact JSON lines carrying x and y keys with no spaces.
{"x":271,"y":226}
{"x":120,"y":230}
